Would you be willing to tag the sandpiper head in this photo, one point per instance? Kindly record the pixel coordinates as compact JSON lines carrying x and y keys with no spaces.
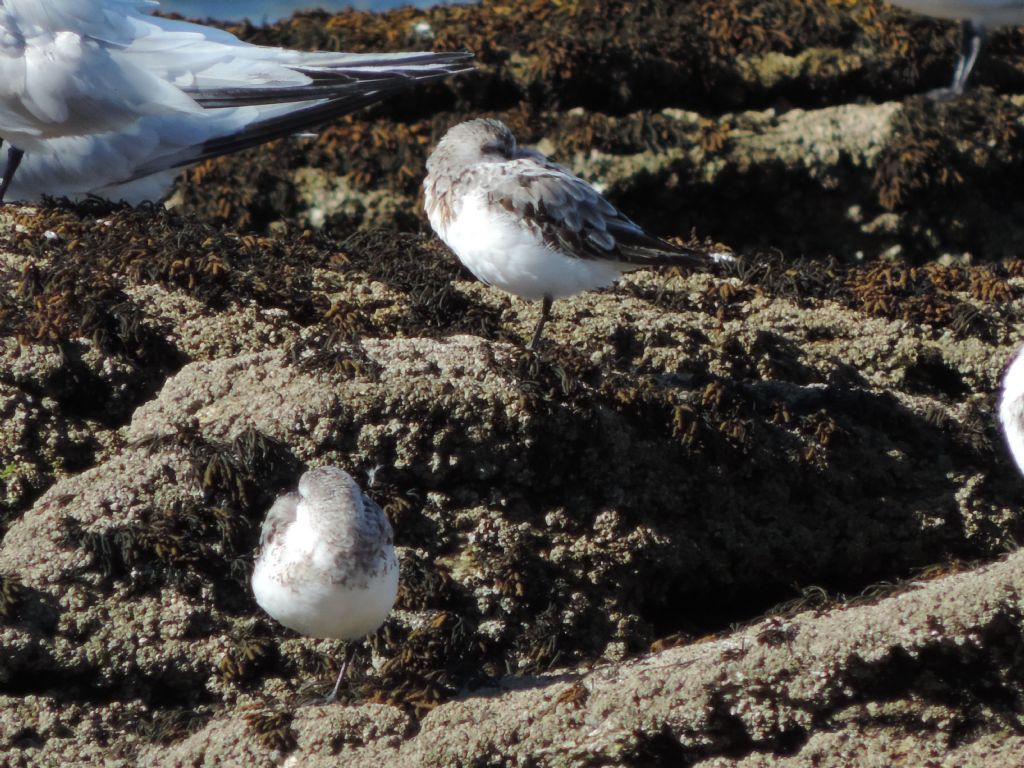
{"x":325,"y":484}
{"x":475,"y":141}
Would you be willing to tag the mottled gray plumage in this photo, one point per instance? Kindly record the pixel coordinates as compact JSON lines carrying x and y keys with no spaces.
{"x":359,"y":532}
{"x":280,"y":515}
{"x":327,"y":565}
{"x":569,"y":214}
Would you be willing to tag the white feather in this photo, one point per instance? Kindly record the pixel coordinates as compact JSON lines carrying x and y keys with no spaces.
{"x":1011,"y":408}
{"x":501,"y":252}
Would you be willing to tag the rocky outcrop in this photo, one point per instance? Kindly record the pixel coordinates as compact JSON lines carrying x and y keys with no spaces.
{"x":756,"y":517}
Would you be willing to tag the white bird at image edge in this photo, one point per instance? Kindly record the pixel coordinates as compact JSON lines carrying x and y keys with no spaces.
{"x":1011,"y":407}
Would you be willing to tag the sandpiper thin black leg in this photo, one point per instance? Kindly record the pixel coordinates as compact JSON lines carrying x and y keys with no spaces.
{"x":350,"y":652}
{"x":545,"y":312}
{"x":14,"y":156}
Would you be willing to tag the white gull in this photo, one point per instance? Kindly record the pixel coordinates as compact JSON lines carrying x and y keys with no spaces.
{"x":105,"y":99}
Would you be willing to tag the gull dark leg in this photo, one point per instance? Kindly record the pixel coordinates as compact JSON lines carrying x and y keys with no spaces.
{"x":14,"y":156}
{"x":971,"y":37}
{"x":545,"y":312}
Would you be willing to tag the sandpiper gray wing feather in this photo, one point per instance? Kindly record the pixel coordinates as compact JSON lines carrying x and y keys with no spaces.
{"x":280,"y":515}
{"x":359,"y":533}
{"x":571,"y":215}
{"x":375,"y":537}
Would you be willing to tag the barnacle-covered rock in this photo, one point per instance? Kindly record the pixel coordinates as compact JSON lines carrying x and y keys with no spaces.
{"x":721,"y":437}
{"x":751,"y":518}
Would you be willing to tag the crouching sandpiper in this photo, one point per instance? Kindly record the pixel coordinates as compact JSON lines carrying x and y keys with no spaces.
{"x":327,"y":565}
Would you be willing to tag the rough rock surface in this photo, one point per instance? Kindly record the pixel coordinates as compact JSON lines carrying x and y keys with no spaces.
{"x":758,"y":517}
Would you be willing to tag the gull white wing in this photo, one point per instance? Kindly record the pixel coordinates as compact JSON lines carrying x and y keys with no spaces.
{"x":140,"y":163}
{"x":107,"y":20}
{"x":62,"y":84}
{"x":89,"y":84}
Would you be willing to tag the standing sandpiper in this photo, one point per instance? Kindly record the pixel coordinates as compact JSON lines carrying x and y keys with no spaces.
{"x":530,"y":227}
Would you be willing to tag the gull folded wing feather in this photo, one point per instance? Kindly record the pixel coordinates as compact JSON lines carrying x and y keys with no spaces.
{"x":104,"y":99}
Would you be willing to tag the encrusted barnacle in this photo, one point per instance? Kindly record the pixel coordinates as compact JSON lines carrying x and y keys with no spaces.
{"x":273,"y":729}
{"x":734,"y":652}
{"x":515,"y":569}
{"x":237,"y":474}
{"x":940,"y":570}
{"x":347,"y":321}
{"x":946,"y":278}
{"x":429,"y":664}
{"x":185,"y":546}
{"x":686,"y":426}
{"x":423,"y":585}
{"x":935,"y":416}
{"x":185,"y":433}
{"x":547,"y":376}
{"x":714,"y":395}
{"x":544,"y":643}
{"x":112,"y":551}
{"x":416,"y":693}
{"x":675,"y":640}
{"x":933,"y":152}
{"x":986,"y":286}
{"x":967,"y":320}
{"x":780,"y":413}
{"x":347,"y":360}
{"x":1014,"y":267}
{"x":737,"y":431}
{"x":822,"y":427}
{"x":395,"y":505}
{"x":713,"y":136}
{"x":166,"y":726}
